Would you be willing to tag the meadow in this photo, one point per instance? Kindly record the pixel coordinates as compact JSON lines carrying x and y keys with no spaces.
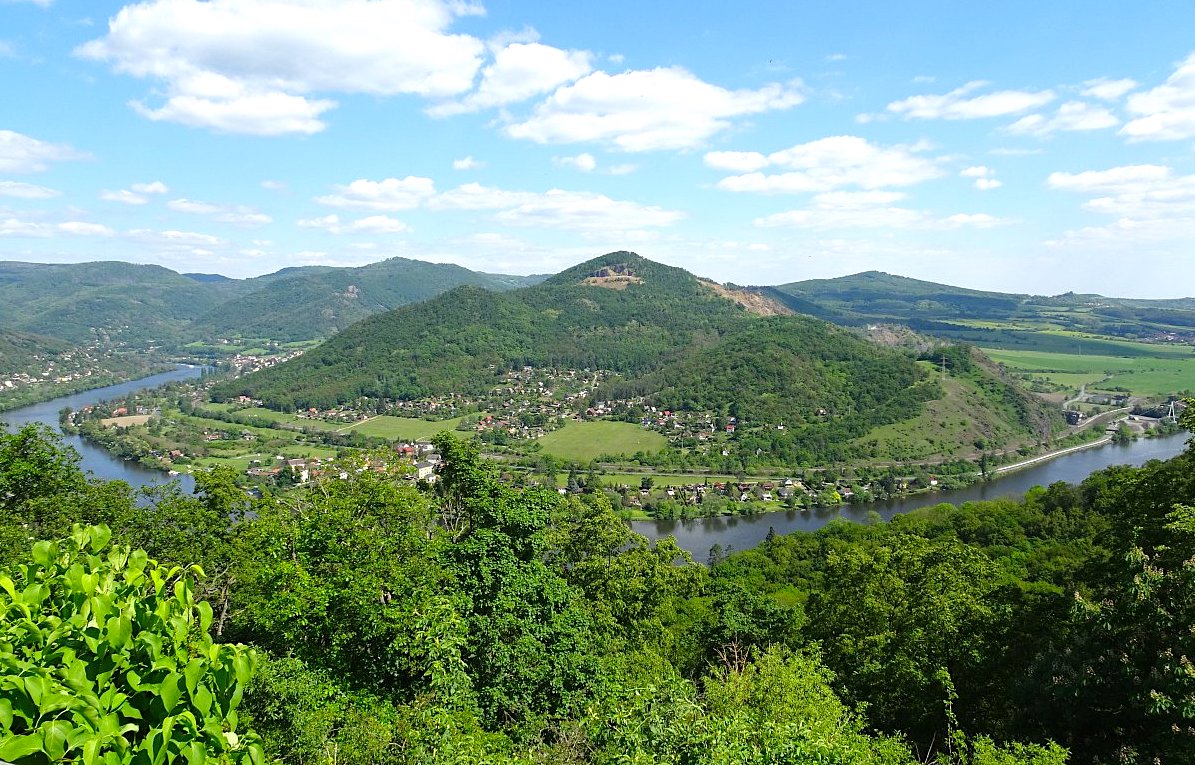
{"x":584,"y":441}
{"x":1171,"y":370}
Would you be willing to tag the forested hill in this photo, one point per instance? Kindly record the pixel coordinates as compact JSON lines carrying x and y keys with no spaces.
{"x":77,"y":302}
{"x":145,"y":305}
{"x":975,"y":315}
{"x":305,"y":304}
{"x":619,"y":312}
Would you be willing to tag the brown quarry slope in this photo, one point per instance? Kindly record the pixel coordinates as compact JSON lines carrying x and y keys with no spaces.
{"x":751,"y":301}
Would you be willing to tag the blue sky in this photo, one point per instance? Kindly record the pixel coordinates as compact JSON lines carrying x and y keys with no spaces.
{"x":1027,"y":147}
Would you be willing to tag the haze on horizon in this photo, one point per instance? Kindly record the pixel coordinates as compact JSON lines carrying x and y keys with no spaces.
{"x":1013,"y":148}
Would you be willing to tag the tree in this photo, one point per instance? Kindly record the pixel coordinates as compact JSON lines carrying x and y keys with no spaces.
{"x":108,"y":659}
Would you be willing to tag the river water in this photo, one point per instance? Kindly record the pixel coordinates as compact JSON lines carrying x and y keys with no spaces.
{"x":696,"y":536}
{"x":95,"y":460}
{"x":745,"y":531}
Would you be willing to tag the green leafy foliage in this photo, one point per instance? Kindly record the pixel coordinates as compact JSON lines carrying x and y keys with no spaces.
{"x":107,"y":659}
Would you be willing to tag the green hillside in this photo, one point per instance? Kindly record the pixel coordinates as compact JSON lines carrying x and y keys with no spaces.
{"x":799,"y":389}
{"x":138,"y":304}
{"x":302,"y":304}
{"x":991,"y":319}
{"x":454,"y":343}
{"x":144,"y":306}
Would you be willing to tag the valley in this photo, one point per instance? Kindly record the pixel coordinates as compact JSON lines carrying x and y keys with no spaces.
{"x":737,"y":406}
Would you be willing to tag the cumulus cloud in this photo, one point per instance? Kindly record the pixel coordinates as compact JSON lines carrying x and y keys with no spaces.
{"x":961,"y":104}
{"x":1145,"y":203}
{"x":175,"y":240}
{"x":237,"y":215}
{"x":984,"y":177}
{"x":1107,"y":89}
{"x":15,"y":227}
{"x":556,"y":208}
{"x":825,"y":164}
{"x":20,"y":153}
{"x":1167,"y":112}
{"x":583,"y":162}
{"x":385,"y":195}
{"x":153,"y":187}
{"x":1071,"y":116}
{"x":849,"y":210}
{"x":82,"y":228}
{"x":466,"y":163}
{"x":124,"y":196}
{"x":645,"y":110}
{"x":520,"y":70}
{"x":374,"y":224}
{"x":26,"y":190}
{"x":255,"y":66}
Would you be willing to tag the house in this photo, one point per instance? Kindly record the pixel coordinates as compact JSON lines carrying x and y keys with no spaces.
{"x":299,"y":468}
{"x":425,"y":471}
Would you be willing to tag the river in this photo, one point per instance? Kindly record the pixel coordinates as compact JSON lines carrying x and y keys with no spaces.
{"x":95,"y":460}
{"x":696,"y":536}
{"x":745,"y":531}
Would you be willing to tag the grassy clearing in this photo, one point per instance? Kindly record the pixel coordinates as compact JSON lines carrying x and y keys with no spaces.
{"x":1141,"y":375}
{"x":584,"y":441}
{"x":407,"y":428}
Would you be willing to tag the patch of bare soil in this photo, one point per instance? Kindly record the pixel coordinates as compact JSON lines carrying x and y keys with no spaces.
{"x":751,"y":301}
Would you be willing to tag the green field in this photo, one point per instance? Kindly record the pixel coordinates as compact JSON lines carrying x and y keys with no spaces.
{"x":1172,"y":370}
{"x":407,"y":428}
{"x":586,"y":441}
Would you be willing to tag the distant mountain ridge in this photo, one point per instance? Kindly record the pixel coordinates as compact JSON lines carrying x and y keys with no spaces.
{"x":959,"y":313}
{"x":147,"y":305}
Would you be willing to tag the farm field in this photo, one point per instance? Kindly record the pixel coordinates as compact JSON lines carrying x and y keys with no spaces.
{"x":589,"y":440}
{"x":1159,"y":375}
{"x":408,"y":428}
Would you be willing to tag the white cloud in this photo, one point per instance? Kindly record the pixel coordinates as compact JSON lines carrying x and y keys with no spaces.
{"x":386,"y":195}
{"x":271,"y":185}
{"x":1071,"y":116}
{"x":1106,"y":89}
{"x":1011,"y":152}
{"x":124,"y":196}
{"x":520,"y":70}
{"x":26,"y":190}
{"x":1147,"y":204}
{"x":851,"y":210}
{"x":253,"y":66}
{"x":14,"y":227}
{"x":570,"y":210}
{"x":583,"y":162}
{"x":153,"y":187}
{"x":825,"y":164}
{"x":374,"y":224}
{"x":237,"y":215}
{"x":81,"y":228}
{"x":174,"y":240}
{"x":646,"y":110}
{"x":984,"y":177}
{"x":1167,"y":112}
{"x":623,"y":169}
{"x":959,"y":104}
{"x":466,"y":163}
{"x":20,"y":153}
{"x":835,"y":57}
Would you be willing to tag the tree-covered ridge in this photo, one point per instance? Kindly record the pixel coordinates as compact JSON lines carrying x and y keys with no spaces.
{"x":953,"y":312}
{"x":146,"y":305}
{"x":311,"y":303}
{"x":455,"y":342}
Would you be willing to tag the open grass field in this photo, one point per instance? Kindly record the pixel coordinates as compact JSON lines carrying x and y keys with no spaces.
{"x":406,"y":428}
{"x":1166,"y":373}
{"x":589,"y":440}
{"x":657,"y":479}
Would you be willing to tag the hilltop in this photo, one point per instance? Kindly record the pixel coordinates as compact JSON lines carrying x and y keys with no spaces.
{"x":671,"y":340}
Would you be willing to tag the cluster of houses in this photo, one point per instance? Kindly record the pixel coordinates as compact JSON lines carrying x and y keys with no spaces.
{"x":417,"y":461}
{"x":243,"y":365}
